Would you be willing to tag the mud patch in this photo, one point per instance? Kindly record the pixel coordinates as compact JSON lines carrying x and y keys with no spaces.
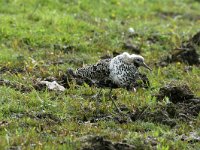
{"x":100,"y":143}
{"x":169,"y":114}
{"x":47,"y":116}
{"x":180,"y":93}
{"x":186,"y":53}
{"x":17,"y":86}
{"x":92,"y":142}
{"x":102,"y":116}
{"x":92,"y":115}
{"x":157,"y":115}
{"x":182,"y":106}
{"x":157,"y":38}
{"x":131,"y":47}
{"x":5,"y":69}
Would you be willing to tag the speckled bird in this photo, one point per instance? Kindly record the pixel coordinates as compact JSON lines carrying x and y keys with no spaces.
{"x":121,"y":70}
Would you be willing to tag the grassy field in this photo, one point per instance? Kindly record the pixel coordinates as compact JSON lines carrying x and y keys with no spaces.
{"x":41,"y":39}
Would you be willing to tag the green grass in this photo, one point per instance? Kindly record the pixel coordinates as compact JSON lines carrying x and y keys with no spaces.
{"x":30,"y":29}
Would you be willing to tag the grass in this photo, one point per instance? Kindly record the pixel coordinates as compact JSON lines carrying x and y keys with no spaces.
{"x":29,"y":31}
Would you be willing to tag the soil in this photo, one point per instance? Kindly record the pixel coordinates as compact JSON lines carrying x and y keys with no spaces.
{"x":183,"y":105}
{"x":17,"y":86}
{"x":131,"y":47}
{"x":93,"y":142}
{"x":5,"y":69}
{"x":186,"y":53}
{"x":100,"y":143}
{"x":103,"y":116}
{"x":181,"y":93}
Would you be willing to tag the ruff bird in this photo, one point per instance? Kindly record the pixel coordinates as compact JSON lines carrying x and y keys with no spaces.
{"x":121,"y":71}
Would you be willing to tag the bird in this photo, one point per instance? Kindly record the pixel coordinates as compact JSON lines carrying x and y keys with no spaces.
{"x":120,"y":71}
{"x":124,"y":69}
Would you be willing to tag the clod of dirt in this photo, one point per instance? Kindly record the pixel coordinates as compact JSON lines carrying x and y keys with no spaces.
{"x":115,"y":53}
{"x":175,"y":93}
{"x":100,"y":143}
{"x":196,"y":39}
{"x":152,"y":39}
{"x":131,"y":47}
{"x":169,"y":114}
{"x":184,"y":106}
{"x":159,"y":115}
{"x":47,"y":116}
{"x":98,"y":115}
{"x":186,"y":53}
{"x":142,"y":81}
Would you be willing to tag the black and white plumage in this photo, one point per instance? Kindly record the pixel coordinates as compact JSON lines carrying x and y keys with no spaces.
{"x":121,"y":70}
{"x":96,"y":72}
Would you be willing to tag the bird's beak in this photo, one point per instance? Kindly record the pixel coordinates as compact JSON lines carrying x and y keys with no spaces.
{"x":145,"y":65}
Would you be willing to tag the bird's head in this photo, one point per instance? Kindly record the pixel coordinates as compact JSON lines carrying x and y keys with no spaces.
{"x":137,"y":60}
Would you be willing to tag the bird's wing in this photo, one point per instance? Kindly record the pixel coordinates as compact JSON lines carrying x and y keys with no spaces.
{"x":97,"y":72}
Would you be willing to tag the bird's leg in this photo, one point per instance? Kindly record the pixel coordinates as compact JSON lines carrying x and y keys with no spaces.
{"x":96,"y":96}
{"x":97,"y":100}
{"x":99,"y":93}
{"x":110,"y":98}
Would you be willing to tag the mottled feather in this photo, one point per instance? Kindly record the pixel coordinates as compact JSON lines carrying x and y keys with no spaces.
{"x":121,"y":71}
